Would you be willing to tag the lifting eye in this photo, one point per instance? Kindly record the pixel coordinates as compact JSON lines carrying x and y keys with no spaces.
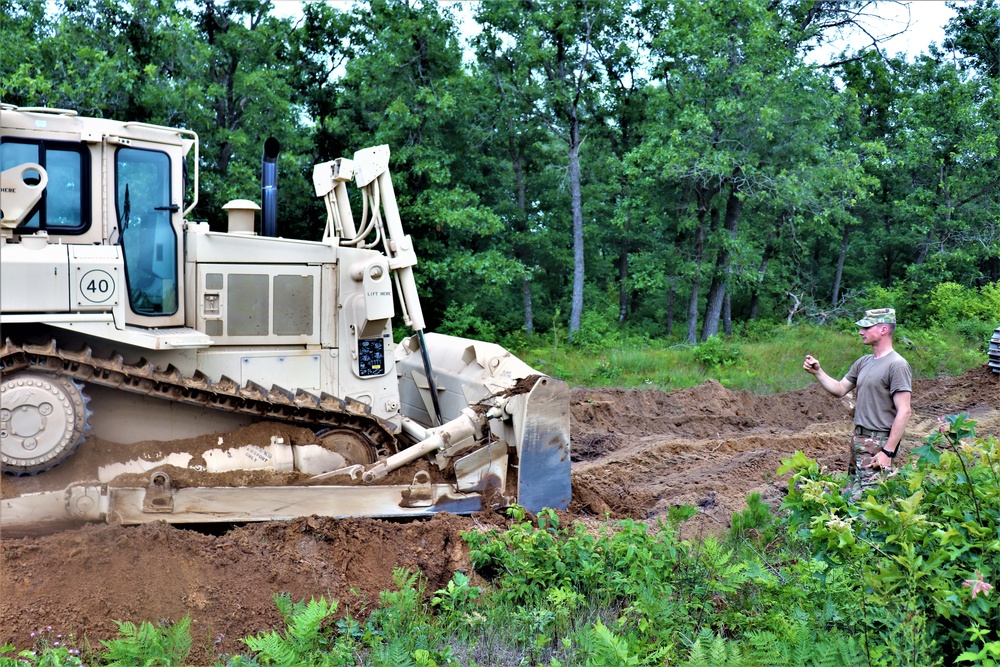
{"x":31,"y":177}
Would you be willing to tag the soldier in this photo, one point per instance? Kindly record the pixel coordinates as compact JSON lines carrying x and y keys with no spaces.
{"x":882,"y":407}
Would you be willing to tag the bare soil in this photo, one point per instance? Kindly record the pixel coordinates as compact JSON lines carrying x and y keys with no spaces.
{"x":635,"y":453}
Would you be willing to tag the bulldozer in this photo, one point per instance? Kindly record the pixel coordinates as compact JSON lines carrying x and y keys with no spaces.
{"x":154,"y":369}
{"x":994,"y":351}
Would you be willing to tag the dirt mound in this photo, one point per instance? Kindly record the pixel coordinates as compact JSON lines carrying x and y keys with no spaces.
{"x":636,"y":454}
{"x":80,"y":581}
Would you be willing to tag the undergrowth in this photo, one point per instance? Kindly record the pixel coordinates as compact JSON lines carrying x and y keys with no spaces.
{"x":765,"y":360}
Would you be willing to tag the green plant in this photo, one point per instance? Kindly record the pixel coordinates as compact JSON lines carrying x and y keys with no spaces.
{"x":456,"y":601}
{"x":51,"y":649}
{"x":976,"y":333}
{"x":43,"y":654}
{"x":11,"y":660}
{"x":307,"y":640}
{"x":147,"y":645}
{"x":461,"y":320}
{"x":710,"y":650}
{"x":754,"y":526}
{"x":717,"y":351}
{"x":606,"y":648}
{"x":922,"y":545}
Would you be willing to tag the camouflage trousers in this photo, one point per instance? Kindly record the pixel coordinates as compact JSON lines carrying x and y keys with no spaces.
{"x":862,"y":477}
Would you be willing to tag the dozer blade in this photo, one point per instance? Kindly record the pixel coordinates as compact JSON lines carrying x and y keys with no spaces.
{"x":544,"y":463}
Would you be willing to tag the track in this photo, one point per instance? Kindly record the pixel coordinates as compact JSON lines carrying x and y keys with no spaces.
{"x":276,"y":404}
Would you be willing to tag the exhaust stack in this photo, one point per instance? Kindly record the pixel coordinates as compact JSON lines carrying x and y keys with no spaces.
{"x":269,"y":188}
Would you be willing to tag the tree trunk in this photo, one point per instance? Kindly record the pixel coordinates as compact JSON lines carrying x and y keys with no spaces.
{"x":529,"y":316}
{"x":671,"y":298}
{"x":723,"y":267}
{"x":727,"y":315}
{"x":576,"y":201}
{"x":521,"y":252}
{"x":623,"y":285}
{"x":761,"y":272}
{"x":699,"y":250}
{"x":713,"y":302}
{"x":835,"y":297}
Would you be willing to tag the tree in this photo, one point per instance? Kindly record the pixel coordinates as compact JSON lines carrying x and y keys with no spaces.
{"x":737,"y":118}
{"x":549,"y":51}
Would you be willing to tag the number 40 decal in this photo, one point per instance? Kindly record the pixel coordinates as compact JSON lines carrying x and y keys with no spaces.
{"x":97,"y":286}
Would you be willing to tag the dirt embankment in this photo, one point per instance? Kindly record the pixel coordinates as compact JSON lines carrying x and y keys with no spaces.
{"x":636,"y":454}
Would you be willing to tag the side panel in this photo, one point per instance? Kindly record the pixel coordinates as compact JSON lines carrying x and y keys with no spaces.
{"x":290,"y":369}
{"x":34,"y":280}
{"x":96,"y":278}
{"x":259,"y":304}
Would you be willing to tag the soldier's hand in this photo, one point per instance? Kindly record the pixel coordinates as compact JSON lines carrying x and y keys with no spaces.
{"x":880,"y":461}
{"x":811,"y":365}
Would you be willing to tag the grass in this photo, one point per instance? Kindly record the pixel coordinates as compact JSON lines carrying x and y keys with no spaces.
{"x":765,"y":362}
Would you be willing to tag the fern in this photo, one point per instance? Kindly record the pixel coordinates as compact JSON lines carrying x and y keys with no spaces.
{"x":392,"y":654}
{"x":802,"y":647}
{"x":147,"y":645}
{"x":607,"y":649}
{"x":304,"y":642}
{"x":710,"y":650}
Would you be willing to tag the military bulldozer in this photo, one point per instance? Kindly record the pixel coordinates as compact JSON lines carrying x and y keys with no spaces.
{"x":152,"y":369}
{"x":994,"y":351}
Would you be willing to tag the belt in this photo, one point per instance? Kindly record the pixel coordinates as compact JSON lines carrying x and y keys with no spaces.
{"x":867,"y":432}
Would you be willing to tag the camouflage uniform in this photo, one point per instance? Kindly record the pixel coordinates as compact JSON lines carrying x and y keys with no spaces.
{"x":862,"y":477}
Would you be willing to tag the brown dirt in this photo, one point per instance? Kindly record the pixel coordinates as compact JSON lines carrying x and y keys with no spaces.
{"x":636,"y":454}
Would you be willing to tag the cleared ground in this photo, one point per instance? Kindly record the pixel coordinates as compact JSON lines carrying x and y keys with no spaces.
{"x":636,"y":453}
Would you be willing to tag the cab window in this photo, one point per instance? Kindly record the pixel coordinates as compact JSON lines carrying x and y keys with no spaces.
{"x":65,"y":205}
{"x":149,"y":244}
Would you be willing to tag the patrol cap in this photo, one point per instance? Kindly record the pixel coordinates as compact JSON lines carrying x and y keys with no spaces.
{"x":877,"y":316}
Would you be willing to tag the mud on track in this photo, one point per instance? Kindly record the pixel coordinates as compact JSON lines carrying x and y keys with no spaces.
{"x":636,"y":454}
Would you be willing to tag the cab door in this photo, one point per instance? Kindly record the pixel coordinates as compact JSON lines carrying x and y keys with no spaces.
{"x":149,"y":232}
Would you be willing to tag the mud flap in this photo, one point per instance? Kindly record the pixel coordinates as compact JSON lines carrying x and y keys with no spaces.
{"x":543,"y":447}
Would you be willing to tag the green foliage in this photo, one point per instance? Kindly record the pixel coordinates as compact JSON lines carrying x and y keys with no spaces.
{"x":456,"y":603}
{"x":551,"y":566}
{"x":768,"y":365}
{"x":713,"y":650}
{"x":719,"y":163}
{"x":402,"y":631}
{"x":605,"y":648}
{"x":924,"y":542}
{"x":951,"y":303}
{"x":147,"y":645}
{"x":49,"y":651}
{"x":461,"y":320}
{"x":716,"y":352}
{"x":307,"y":639}
{"x":754,"y":526}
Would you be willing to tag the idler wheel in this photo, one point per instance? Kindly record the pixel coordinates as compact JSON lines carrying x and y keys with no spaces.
{"x":42,"y":420}
{"x":353,"y":446}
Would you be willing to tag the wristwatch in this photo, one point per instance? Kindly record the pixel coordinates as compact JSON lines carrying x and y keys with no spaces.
{"x":891,"y":454}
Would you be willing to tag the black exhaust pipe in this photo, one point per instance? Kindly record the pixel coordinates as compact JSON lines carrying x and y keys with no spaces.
{"x":269,"y":188}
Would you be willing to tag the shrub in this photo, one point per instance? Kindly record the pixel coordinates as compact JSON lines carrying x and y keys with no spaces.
{"x":923,"y":545}
{"x":716,"y":352}
{"x":950,"y":302}
{"x":461,"y":320}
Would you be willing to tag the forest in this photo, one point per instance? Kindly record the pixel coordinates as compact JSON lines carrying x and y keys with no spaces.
{"x":670,"y":169}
